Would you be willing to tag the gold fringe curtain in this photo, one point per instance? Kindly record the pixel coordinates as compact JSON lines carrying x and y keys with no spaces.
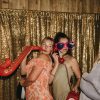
{"x":19,"y":28}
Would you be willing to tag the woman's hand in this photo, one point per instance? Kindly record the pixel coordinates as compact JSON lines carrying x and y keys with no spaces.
{"x":75,"y":88}
{"x":22,"y":81}
{"x":25,"y":83}
{"x":55,"y":57}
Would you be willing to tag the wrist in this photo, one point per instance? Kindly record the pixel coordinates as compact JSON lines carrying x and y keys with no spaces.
{"x":56,"y":65}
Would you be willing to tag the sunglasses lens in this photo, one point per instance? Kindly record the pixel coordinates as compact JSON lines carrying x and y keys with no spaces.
{"x":60,"y":45}
{"x":70,"y":45}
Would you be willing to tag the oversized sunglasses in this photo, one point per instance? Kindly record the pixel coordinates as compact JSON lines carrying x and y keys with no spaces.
{"x":60,"y":45}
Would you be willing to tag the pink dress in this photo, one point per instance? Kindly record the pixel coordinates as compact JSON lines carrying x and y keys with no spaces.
{"x":39,"y":90}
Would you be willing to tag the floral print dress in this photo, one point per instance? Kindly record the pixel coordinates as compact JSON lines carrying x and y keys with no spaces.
{"x":39,"y":90}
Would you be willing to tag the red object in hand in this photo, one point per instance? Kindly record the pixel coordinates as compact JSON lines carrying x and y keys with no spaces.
{"x":61,"y":60}
{"x":72,"y":95}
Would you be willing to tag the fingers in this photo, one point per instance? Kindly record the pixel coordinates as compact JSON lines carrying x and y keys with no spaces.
{"x":55,"y":57}
{"x":75,"y":89}
{"x":55,"y":54}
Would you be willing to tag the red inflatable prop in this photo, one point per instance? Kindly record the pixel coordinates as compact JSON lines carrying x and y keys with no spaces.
{"x":8,"y":67}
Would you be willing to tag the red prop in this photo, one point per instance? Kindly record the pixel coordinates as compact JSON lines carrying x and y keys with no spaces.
{"x":73,"y":96}
{"x":5,"y":64}
{"x":8,"y":67}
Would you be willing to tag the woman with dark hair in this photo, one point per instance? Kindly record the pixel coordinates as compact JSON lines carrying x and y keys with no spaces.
{"x":68,"y":66}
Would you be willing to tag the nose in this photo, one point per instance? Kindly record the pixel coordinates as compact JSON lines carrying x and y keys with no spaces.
{"x":65,"y":45}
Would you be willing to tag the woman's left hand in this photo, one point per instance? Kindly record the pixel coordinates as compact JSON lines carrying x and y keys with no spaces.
{"x":75,"y":88}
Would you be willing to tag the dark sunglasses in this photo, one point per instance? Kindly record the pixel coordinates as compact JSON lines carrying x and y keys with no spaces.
{"x":59,"y":45}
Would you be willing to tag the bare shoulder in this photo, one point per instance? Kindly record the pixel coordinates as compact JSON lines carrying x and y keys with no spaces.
{"x":74,"y":60}
{"x":71,"y":60}
{"x":74,"y":63}
{"x":43,"y":57}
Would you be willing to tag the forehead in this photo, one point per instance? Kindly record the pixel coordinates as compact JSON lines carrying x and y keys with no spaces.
{"x":46,"y":41}
{"x":64,"y":40}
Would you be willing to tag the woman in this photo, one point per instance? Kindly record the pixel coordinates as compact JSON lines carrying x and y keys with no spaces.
{"x":39,"y":73}
{"x":66,"y":69}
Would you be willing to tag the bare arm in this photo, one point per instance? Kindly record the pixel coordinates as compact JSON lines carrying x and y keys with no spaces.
{"x":53,"y":72}
{"x":55,"y":67}
{"x":23,"y":64}
{"x":76,"y":70}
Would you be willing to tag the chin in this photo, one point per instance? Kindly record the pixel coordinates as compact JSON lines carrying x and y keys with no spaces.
{"x":63,"y":53}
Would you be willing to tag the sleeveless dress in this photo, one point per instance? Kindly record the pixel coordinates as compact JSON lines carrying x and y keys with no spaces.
{"x":39,"y":90}
{"x":61,"y":83}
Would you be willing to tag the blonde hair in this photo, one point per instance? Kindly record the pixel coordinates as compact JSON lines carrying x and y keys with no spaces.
{"x":48,"y":38}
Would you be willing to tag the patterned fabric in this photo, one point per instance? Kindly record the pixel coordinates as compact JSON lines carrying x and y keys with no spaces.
{"x":39,"y":90}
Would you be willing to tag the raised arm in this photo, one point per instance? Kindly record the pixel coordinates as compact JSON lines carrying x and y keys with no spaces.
{"x":55,"y":67}
{"x":22,"y":66}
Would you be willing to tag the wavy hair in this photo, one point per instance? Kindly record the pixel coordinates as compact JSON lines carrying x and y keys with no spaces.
{"x":60,"y":35}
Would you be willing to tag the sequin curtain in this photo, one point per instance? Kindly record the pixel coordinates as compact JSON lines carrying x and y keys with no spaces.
{"x":19,"y":28}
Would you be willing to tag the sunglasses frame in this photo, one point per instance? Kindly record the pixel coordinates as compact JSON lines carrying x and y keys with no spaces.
{"x":70,"y":45}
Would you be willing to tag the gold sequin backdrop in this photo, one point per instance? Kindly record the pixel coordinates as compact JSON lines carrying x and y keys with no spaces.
{"x":20,"y":27}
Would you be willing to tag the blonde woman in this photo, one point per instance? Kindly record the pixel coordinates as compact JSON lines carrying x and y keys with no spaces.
{"x":40,"y":73}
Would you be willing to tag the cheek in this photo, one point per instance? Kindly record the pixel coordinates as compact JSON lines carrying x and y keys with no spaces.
{"x":43,"y":47}
{"x":50,"y":49}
